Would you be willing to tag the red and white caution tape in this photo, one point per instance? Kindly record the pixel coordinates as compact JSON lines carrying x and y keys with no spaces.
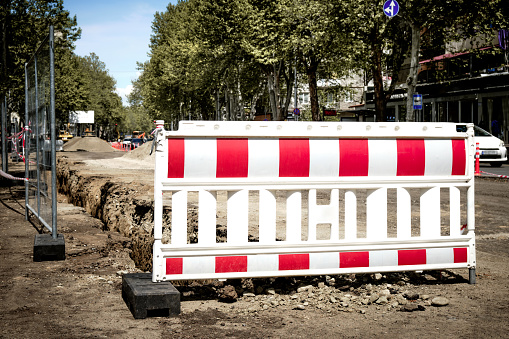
{"x":8,"y":176}
{"x":497,"y":175}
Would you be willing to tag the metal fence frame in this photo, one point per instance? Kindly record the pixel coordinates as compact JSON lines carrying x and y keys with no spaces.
{"x":3,"y":145}
{"x":37,"y":115}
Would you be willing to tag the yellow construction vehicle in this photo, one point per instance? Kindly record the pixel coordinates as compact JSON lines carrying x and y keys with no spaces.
{"x":88,"y":133}
{"x":64,"y":134}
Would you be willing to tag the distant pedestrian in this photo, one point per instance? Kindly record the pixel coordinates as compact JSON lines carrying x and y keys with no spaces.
{"x":483,"y":124}
{"x":495,"y":128}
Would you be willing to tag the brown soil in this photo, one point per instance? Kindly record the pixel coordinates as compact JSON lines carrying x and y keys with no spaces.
{"x":106,"y":216}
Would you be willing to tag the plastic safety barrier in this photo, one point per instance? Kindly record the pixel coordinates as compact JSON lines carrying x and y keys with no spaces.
{"x":313,"y":198}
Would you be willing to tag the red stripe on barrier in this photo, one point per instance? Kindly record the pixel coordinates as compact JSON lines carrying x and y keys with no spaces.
{"x":232,"y":158}
{"x":459,"y":157}
{"x":411,"y":157}
{"x":353,"y":157}
{"x":174,"y":265}
{"x":231,"y":264}
{"x":353,"y":259}
{"x":293,"y":262}
{"x":176,"y":158}
{"x":460,"y":255}
{"x":294,"y":157}
{"x":412,"y":257}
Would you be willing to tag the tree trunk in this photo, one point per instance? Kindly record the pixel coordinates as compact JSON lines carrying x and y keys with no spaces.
{"x":227,"y":103}
{"x":380,"y":97}
{"x":313,"y":89}
{"x":240,"y":102}
{"x":414,"y":71}
{"x":277,"y":90}
{"x":289,"y":90}
{"x":272,"y":96}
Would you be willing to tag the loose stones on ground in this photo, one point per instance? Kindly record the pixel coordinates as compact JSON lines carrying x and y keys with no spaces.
{"x":351,"y":293}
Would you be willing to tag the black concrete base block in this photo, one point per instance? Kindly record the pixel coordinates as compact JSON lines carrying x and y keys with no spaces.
{"x":48,"y":249}
{"x":147,"y":299}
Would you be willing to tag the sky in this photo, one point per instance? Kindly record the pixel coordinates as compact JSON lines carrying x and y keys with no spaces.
{"x":118,"y":32}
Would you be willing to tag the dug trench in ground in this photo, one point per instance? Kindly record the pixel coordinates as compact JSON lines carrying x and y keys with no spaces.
{"x":118,"y":205}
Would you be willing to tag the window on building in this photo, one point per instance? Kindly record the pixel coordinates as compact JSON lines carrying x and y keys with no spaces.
{"x":331,"y":98}
{"x":304,"y":98}
{"x":349,"y":96}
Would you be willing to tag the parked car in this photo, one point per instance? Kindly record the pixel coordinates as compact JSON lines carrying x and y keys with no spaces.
{"x":137,"y":142}
{"x":491,"y":148}
{"x":127,"y":141}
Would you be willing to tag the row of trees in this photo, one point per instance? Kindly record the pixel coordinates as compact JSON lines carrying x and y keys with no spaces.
{"x":207,"y":56}
{"x":81,"y":83}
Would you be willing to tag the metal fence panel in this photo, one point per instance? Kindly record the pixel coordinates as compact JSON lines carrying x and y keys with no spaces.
{"x":40,"y":135}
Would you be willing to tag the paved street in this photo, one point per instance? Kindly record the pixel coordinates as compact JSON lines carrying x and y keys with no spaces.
{"x":503,"y":170}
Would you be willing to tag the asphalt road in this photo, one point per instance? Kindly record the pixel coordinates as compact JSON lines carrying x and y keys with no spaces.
{"x":503,"y":170}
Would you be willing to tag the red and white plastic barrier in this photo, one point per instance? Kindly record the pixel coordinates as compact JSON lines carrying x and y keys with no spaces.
{"x":314,"y":158}
{"x":120,"y":146}
{"x":292,"y":161}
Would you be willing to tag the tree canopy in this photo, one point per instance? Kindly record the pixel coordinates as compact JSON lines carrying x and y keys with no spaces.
{"x":25,"y":23}
{"x":230,"y":59}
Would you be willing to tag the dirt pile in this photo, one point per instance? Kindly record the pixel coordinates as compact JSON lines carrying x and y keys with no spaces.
{"x":88,"y":144}
{"x":141,"y":153}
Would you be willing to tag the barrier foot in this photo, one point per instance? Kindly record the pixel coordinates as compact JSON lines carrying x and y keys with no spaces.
{"x":471,"y":276}
{"x":48,"y":249}
{"x":145,"y":298}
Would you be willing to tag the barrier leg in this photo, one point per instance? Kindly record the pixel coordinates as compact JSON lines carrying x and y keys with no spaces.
{"x":146,"y":298}
{"x":48,"y":249}
{"x":471,"y":275}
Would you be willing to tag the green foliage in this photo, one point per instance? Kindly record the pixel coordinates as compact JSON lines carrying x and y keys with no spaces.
{"x":71,"y":90}
{"x":24,"y":24}
{"x":100,"y":89}
{"x":228,"y":55}
{"x":174,"y":81}
{"x":137,"y":117}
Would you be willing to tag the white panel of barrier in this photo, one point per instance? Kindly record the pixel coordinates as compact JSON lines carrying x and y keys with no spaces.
{"x":357,"y":198}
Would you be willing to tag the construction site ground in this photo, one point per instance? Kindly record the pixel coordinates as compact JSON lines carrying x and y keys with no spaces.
{"x":105,"y":214}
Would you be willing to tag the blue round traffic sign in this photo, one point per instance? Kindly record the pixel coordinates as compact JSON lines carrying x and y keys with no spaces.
{"x":391,"y":8}
{"x":296,"y":111}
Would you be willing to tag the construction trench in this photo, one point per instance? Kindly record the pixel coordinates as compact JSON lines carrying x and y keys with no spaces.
{"x":112,"y":195}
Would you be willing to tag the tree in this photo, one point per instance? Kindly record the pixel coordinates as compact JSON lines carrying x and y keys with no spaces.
{"x":174,"y":82}
{"x":24,"y":25}
{"x":317,"y":33}
{"x":235,"y":73}
{"x":137,"y":117}
{"x":383,"y":46}
{"x":439,"y":22}
{"x":71,"y":90}
{"x":426,"y":17}
{"x":102,"y":98}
